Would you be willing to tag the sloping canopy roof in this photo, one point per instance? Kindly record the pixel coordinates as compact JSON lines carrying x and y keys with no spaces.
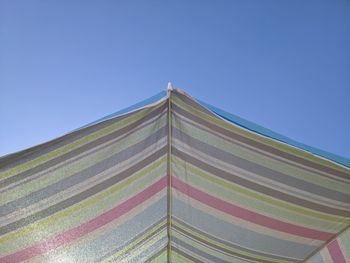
{"x":172,"y":179}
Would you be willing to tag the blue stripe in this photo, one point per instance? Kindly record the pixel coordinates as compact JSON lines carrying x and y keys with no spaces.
{"x":138,"y":105}
{"x":271,"y":134}
{"x":238,"y":121}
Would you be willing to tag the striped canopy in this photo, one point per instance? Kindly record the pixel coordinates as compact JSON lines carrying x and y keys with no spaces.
{"x":174,"y":180}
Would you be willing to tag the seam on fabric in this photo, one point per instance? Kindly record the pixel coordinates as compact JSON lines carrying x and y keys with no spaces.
{"x":169,"y":197}
{"x":326,"y":244}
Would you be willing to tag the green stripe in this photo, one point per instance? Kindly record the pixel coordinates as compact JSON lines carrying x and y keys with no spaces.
{"x":344,"y":241}
{"x":272,"y":143}
{"x":136,"y":243}
{"x":178,"y":258}
{"x":82,"y":164}
{"x":78,"y":143}
{"x":260,"y":159}
{"x":207,"y":249}
{"x":83,"y":211}
{"x":258,"y":196}
{"x":135,"y":254}
{"x":223,"y":246}
{"x":161,"y":258}
{"x":228,"y":193}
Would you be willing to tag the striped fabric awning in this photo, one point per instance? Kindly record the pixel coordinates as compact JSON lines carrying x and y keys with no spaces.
{"x":174,"y":180}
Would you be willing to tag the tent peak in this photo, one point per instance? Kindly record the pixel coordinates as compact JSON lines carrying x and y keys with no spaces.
{"x":170,"y":87}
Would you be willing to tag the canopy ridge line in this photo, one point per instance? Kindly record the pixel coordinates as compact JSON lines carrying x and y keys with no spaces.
{"x":169,"y":192}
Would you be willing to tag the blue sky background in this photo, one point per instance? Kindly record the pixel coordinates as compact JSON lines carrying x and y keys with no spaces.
{"x":282,"y":64}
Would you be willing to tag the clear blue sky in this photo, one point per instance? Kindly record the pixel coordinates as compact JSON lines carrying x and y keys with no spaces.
{"x":282,"y":64}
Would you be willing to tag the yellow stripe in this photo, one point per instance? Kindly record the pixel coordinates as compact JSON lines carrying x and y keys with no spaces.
{"x":160,"y":258}
{"x":138,"y":240}
{"x":42,"y":224}
{"x":127,"y":258}
{"x":213,"y":242}
{"x":78,"y":165}
{"x":62,"y":150}
{"x":270,"y":142}
{"x":178,"y":258}
{"x":214,"y":139}
{"x":262,"y":197}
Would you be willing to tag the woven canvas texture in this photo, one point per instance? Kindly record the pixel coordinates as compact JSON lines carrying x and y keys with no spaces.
{"x":172,"y":181}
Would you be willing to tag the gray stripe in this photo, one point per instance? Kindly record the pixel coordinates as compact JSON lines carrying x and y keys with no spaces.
{"x":258,"y":169}
{"x":31,"y":153}
{"x":141,"y":219}
{"x":256,"y":187}
{"x":215,"y":247}
{"x":193,"y":103}
{"x":259,"y":145}
{"x":156,"y":255}
{"x":149,"y":252}
{"x":238,"y":235}
{"x":107,"y":240}
{"x":78,"y":150}
{"x":76,"y":159}
{"x":274,"y":157}
{"x":83,"y":195}
{"x":15,"y":159}
{"x":187,"y":256}
{"x":223,"y":242}
{"x":81,"y":176}
{"x":177,"y":242}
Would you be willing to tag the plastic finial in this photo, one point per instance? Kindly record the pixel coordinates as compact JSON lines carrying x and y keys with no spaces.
{"x":170,"y":87}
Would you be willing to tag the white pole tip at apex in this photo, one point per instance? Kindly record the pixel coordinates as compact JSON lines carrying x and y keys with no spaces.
{"x":170,"y":87}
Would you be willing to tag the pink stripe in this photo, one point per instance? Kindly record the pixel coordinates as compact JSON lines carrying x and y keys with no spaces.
{"x":335,"y":252}
{"x":247,"y":214}
{"x":87,"y":227}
